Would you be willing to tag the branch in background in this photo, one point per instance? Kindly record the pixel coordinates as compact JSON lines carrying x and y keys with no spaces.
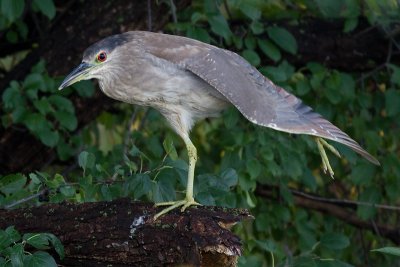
{"x":336,"y":208}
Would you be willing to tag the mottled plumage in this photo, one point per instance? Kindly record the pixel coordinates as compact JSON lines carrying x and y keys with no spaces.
{"x":187,"y":80}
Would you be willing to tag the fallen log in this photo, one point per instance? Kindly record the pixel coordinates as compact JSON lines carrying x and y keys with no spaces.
{"x":123,"y":233}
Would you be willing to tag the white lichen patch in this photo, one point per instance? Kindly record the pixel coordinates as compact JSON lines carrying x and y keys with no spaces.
{"x":135,"y":224}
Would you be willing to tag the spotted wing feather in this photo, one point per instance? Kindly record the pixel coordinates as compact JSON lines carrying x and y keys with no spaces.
{"x":255,"y":96}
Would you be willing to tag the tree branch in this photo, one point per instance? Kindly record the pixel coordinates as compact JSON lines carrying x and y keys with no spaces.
{"x":334,"y":208}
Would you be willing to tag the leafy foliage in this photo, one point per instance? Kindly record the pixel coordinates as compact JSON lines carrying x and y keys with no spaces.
{"x":120,"y":154}
{"x":13,"y":248}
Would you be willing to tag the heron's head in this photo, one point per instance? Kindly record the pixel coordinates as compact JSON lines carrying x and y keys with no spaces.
{"x":100,"y":59}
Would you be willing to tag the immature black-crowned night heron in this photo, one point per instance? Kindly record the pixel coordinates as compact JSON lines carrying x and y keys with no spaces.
{"x":187,"y":80}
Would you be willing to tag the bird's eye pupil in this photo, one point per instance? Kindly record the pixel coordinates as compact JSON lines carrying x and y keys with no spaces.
{"x":102,"y":56}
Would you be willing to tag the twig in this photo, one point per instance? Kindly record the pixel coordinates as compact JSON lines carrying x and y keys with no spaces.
{"x":128,"y":132}
{"x":365,"y":250}
{"x":226,"y":6}
{"x":315,"y":203}
{"x":149,"y":17}
{"x":173,"y":10}
{"x":26,"y":199}
{"x":344,"y":201}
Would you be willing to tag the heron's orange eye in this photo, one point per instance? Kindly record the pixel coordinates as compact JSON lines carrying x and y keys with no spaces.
{"x":102,"y":56}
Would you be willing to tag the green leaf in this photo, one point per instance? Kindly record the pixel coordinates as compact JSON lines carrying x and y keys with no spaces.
{"x":304,"y":261}
{"x":169,"y":147}
{"x":36,"y":122}
{"x":395,"y":77}
{"x":42,"y":105}
{"x":335,"y":241}
{"x":84,"y":88}
{"x":40,"y":67}
{"x":86,"y":160}
{"x":269,"y":49}
{"x":363,"y":173}
{"x":253,"y":167}
{"x":252,"y":57}
{"x":62,"y":103}
{"x":12,"y":9}
{"x":229,"y":177}
{"x":13,"y":234}
{"x":388,"y":250}
{"x":392,"y":99}
{"x":371,"y":195}
{"x":231,"y":117}
{"x":12,"y":37}
{"x":350,"y":24}
{"x":8,"y":236}
{"x":302,"y":87}
{"x":5,"y":240}
{"x":250,"y":42}
{"x":48,"y":137}
{"x":251,"y":11}
{"x":220,"y":26}
{"x":198,"y":34}
{"x":17,"y":255}
{"x":39,"y":241}
{"x":12,"y":183}
{"x":12,"y":96}
{"x":66,"y":119}
{"x":34,"y":81}
{"x":347,"y":87}
{"x":39,"y":258}
{"x":332,"y":88}
{"x":330,"y":8}
{"x":106,"y":192}
{"x":163,"y":191}
{"x":67,"y":191}
{"x":257,"y":27}
{"x":59,"y":248}
{"x":283,"y":38}
{"x":46,"y":7}
{"x":140,"y":185}
{"x":267,"y":245}
{"x":250,"y":199}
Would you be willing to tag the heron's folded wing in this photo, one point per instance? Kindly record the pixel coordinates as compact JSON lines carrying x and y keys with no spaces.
{"x":255,"y":96}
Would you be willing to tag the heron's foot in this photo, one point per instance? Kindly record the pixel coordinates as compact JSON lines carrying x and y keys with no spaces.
{"x":321,"y":143}
{"x":187,"y":202}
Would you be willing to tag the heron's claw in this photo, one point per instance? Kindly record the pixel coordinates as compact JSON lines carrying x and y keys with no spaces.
{"x":325,"y":161}
{"x":187,"y":202}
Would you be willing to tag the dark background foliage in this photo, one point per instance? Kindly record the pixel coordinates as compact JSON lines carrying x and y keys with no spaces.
{"x":340,"y":57}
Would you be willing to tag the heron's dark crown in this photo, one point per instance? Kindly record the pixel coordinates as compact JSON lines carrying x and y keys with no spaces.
{"x":107,"y":44}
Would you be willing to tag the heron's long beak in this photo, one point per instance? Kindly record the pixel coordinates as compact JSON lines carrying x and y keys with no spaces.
{"x":78,"y":74}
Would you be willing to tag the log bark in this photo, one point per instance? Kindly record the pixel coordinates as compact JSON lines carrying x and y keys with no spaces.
{"x":123,"y":233}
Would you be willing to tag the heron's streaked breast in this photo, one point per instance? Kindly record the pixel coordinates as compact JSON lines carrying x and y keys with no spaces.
{"x":163,"y":87}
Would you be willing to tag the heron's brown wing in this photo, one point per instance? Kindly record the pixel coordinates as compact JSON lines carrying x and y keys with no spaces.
{"x":255,"y":96}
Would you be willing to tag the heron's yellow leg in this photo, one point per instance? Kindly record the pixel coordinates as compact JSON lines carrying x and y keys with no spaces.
{"x":189,"y":200}
{"x":325,"y":161}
